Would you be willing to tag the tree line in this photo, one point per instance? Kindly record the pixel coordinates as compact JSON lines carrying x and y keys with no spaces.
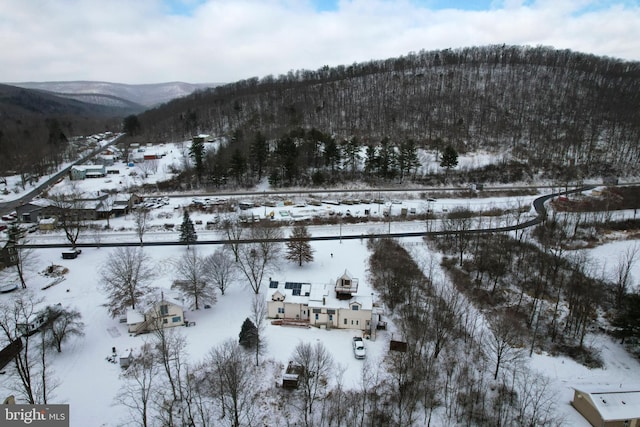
{"x":549,"y":109}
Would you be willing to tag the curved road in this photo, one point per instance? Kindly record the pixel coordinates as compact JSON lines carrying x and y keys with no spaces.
{"x":538,"y":205}
{"x":7,"y":207}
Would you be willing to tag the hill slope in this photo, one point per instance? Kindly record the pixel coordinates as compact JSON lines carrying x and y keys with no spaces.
{"x":147,"y":95}
{"x":548,"y":108}
{"x":19,"y":103}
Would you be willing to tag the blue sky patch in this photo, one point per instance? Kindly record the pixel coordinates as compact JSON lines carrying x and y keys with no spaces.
{"x":182,"y":7}
{"x":332,"y":5}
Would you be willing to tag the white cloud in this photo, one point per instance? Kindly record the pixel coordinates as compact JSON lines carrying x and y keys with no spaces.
{"x":228,"y":40}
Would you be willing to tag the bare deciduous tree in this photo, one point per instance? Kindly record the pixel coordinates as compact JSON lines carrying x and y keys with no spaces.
{"x":125,"y":277}
{"x":258,"y":316}
{"x":107,"y":206}
{"x":70,"y":213}
{"x":148,"y":167}
{"x":66,"y":324}
{"x":258,"y":258}
{"x":622,"y":271}
{"x":34,"y":382}
{"x":317,"y":366}
{"x":536,"y":401}
{"x":505,"y":341}
{"x":169,"y":348}
{"x":457,"y":224}
{"x":231,"y":378}
{"x":25,"y":256}
{"x":191,"y":279}
{"x":233,"y":229}
{"x":220,"y":269}
{"x":403,"y":386}
{"x":140,"y":217}
{"x":136,"y":393}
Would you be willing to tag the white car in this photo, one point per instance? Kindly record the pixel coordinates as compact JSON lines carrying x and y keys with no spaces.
{"x":358,"y":348}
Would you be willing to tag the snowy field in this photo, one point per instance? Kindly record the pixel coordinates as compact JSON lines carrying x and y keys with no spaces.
{"x":89,"y":382}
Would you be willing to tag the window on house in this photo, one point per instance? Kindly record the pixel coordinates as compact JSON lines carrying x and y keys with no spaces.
{"x":345,"y":321}
{"x":280,"y":310}
{"x":164,"y":309}
{"x":317,"y":316}
{"x":317,"y":310}
{"x":176,"y":319}
{"x":165,"y":321}
{"x":355,"y":307}
{"x":352,"y":322}
{"x":357,"y":322}
{"x":331,"y":317}
{"x":330,"y":311}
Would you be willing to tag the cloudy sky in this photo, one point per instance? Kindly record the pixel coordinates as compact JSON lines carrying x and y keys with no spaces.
{"x":214,"y":41}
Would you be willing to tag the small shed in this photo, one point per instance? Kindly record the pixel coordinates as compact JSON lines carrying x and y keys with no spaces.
{"x":71,"y":254}
{"x":126,"y":358}
{"x":608,"y":406}
{"x":47,"y":224}
{"x":291,"y":375}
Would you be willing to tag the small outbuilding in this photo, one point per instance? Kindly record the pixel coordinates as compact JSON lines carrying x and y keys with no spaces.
{"x":126,"y":358}
{"x":608,"y":406}
{"x":71,"y":254}
{"x":291,"y":375}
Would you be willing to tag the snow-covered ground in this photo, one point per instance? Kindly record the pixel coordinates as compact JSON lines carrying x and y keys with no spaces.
{"x":82,"y":367}
{"x":89,"y":382}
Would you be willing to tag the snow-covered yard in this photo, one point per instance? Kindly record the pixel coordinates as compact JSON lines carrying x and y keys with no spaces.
{"x":89,"y":382}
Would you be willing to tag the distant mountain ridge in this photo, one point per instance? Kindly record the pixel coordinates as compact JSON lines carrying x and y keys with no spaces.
{"x":104,"y":100}
{"x":20,"y":103}
{"x":147,"y":95}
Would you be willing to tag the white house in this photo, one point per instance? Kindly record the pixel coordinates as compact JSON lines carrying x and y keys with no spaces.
{"x":161,"y":312}
{"x":608,"y":406}
{"x":330,"y":305}
{"x":79,"y":172}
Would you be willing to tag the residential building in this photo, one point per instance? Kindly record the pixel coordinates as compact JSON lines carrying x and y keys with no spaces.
{"x":84,"y":209}
{"x":161,"y":312}
{"x":79,"y":172}
{"x":331,"y":305}
{"x":608,"y":406}
{"x":8,"y":251}
{"x":32,"y":211}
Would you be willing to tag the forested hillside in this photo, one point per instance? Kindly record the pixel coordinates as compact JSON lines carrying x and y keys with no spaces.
{"x":35,"y":127}
{"x":546,"y":109}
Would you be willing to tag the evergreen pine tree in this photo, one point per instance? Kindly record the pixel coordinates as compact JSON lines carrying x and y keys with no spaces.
{"x":298,"y":247}
{"x":248,"y":334}
{"x":196,"y":151}
{"x":187,"y":230}
{"x":627,"y":320}
{"x":449,"y":158}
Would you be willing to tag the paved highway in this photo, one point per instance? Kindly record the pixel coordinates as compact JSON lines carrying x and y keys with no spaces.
{"x":538,"y":205}
{"x":7,"y":207}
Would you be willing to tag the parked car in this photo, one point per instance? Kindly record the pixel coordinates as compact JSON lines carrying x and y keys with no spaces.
{"x":358,"y":348}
